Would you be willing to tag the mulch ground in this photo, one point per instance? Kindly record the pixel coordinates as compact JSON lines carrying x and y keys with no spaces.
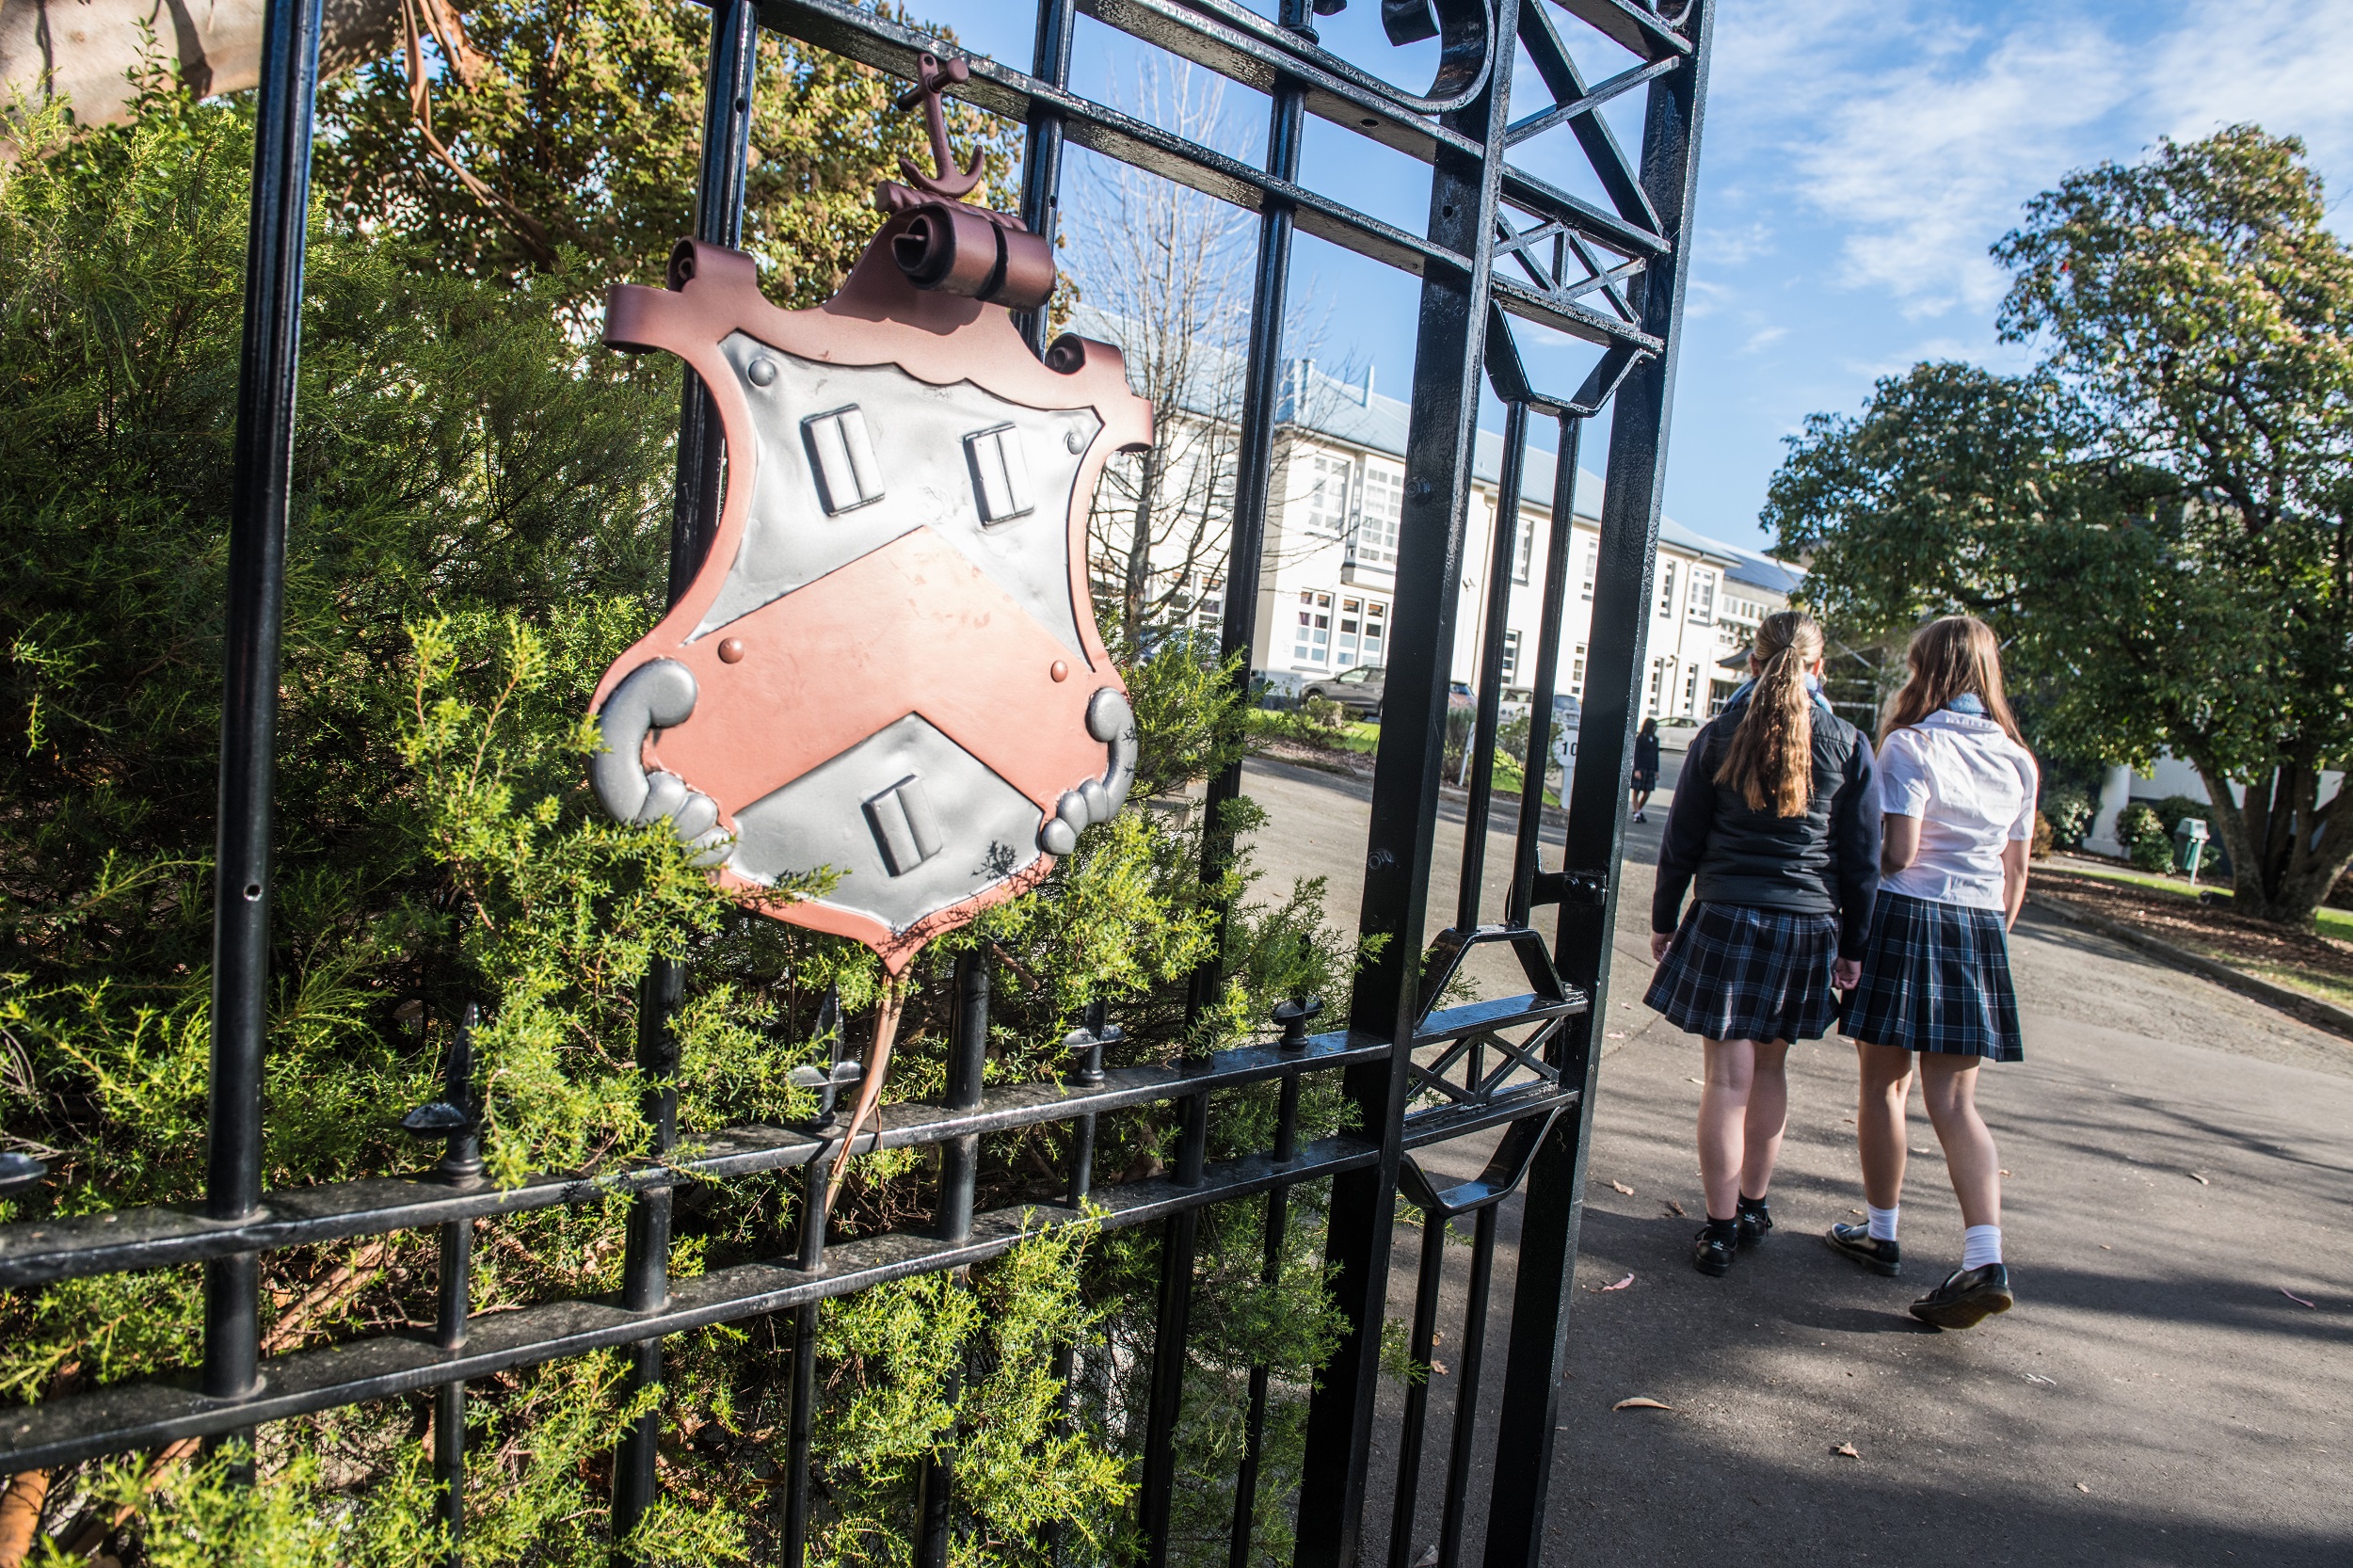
{"x":2207,"y":928}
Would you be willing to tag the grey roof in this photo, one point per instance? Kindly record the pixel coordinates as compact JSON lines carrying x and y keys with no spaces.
{"x":1352,"y":411}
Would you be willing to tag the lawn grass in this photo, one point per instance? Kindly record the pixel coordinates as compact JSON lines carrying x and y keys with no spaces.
{"x":2334,"y":923}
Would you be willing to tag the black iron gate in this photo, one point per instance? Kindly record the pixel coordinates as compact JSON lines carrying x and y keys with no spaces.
{"x":1500,"y":243}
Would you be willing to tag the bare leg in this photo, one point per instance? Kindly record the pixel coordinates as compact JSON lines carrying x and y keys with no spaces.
{"x":1767,"y":1115}
{"x":1723,"y":1114}
{"x":1949,"y":1086}
{"x":1879,"y":1120}
{"x":1638,"y":798}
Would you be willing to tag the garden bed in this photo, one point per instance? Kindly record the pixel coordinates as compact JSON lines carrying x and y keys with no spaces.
{"x":2315,"y":965}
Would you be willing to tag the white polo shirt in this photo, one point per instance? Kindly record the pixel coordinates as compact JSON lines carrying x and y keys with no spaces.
{"x":1973,"y":789}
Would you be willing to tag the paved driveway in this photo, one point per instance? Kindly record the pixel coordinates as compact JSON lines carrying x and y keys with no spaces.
{"x":2179,"y":1167}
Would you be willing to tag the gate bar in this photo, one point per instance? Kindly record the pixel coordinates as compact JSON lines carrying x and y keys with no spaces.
{"x":1481,"y":753}
{"x":1631,"y":500}
{"x":262,"y":480}
{"x":1539,"y":719}
{"x":1041,"y":153}
{"x":728,"y":86}
{"x":1440,"y":445}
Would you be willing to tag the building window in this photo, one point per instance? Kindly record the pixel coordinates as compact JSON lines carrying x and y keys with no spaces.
{"x":1703,"y":596}
{"x":1512,"y":655}
{"x":1692,"y":691}
{"x":1658,"y":680}
{"x":1362,"y":621}
{"x":1327,"y":511}
{"x":1593,"y":561}
{"x":1311,"y":638}
{"x":1209,"y":600}
{"x":1383,"y":503}
{"x":1527,"y":550}
{"x":1666,"y":588}
{"x":1577,"y":673}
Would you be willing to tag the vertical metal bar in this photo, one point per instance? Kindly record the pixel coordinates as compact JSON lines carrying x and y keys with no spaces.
{"x":1417,"y":1394}
{"x":1470,"y":1358}
{"x":1088,"y":1073}
{"x":1483,"y":745}
{"x":1527,"y":1415}
{"x":935,"y":1493}
{"x":1447,"y":360}
{"x":967,"y":1054}
{"x":262,"y":478}
{"x":1041,"y":153}
{"x":1556,"y":552}
{"x":1254,"y":476}
{"x":1270,"y":1270}
{"x":804,"y":1372}
{"x":460,"y":1166}
{"x":728,"y":86}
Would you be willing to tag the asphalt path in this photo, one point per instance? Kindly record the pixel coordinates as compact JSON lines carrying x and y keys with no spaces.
{"x":2179,"y":1190}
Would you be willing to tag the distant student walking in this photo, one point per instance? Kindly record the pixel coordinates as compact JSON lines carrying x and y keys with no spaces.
{"x":1958,"y":790}
{"x":1645,"y":778}
{"x":1775,"y":829}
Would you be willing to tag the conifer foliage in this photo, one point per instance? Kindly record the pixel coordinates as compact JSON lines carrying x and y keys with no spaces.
{"x":480,"y":526}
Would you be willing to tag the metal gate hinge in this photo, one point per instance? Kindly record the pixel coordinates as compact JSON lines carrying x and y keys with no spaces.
{"x":1587,"y":888}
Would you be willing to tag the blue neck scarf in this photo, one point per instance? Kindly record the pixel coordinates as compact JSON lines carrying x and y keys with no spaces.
{"x":1966,"y":702}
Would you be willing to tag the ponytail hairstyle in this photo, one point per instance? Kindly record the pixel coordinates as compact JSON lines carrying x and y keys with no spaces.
{"x":1770,"y":757}
{"x":1947,"y":658}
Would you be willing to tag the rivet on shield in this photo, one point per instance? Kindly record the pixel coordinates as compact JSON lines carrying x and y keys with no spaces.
{"x":1061,"y":670}
{"x":763,"y":373}
{"x":730,"y":650}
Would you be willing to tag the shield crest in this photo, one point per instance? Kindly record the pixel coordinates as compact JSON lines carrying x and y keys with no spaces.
{"x":888,"y":664}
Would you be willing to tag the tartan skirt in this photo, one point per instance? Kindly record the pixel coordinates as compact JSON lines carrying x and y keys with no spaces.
{"x":1739,"y":973}
{"x":1936,"y":978}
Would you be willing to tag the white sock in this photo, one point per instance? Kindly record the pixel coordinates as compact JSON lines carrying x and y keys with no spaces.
{"x":1883,"y":1222}
{"x":1981,"y":1245}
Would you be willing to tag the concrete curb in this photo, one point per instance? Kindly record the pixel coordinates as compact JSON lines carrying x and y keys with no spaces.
{"x":2312,"y":1009}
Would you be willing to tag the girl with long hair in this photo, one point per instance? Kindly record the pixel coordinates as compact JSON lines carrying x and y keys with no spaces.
{"x":1958,"y":788}
{"x":1775,"y":829}
{"x":1645,"y":778}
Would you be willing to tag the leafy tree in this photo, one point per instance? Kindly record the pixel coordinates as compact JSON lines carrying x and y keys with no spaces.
{"x":479,"y":525}
{"x":2160,"y":520}
{"x":561,"y":136}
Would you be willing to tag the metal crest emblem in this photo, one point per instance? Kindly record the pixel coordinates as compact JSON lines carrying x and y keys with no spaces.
{"x":888,"y":664}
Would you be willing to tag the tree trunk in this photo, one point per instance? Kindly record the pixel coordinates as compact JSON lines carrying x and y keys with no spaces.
{"x":86,"y":52}
{"x":2287,"y":849}
{"x":1140,"y":547}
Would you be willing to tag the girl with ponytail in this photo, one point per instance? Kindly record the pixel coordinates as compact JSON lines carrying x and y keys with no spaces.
{"x":1775,"y":831}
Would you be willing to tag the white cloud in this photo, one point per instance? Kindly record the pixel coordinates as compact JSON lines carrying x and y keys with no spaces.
{"x":1764,"y":337}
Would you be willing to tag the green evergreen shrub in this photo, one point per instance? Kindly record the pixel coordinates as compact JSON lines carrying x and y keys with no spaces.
{"x":481,"y":508}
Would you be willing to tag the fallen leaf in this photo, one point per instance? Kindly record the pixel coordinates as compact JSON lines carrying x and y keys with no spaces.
{"x":2296,"y":1298}
{"x":1854,"y":1210}
{"x":1621,"y":1285}
{"x":1617,"y":1034}
{"x":1438,"y":1367}
{"x":2038,"y":1378}
{"x":1917,"y":1149}
{"x":1848,"y":1450}
{"x":1622,"y":1187}
{"x":1641,"y":1401}
{"x":1677,"y":1209}
{"x":1428,"y":1558}
{"x":2006,"y":1172}
{"x":2105,"y":1247}
{"x":2199,"y":1179}
{"x":1694,"y":1081}
{"x":2081,"y":1487}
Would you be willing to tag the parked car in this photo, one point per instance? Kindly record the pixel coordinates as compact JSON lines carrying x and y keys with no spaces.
{"x":1359,"y":688}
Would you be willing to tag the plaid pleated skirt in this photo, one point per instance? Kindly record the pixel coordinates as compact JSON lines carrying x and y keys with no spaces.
{"x":1738,"y":972}
{"x":1936,"y":978}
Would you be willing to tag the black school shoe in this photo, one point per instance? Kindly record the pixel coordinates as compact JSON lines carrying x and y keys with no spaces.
{"x":1712,"y":1252}
{"x":1754,"y":1220}
{"x":1856,"y":1241}
{"x":1967,"y":1298}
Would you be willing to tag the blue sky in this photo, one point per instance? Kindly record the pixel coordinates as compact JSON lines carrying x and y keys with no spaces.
{"x":1858,"y":158}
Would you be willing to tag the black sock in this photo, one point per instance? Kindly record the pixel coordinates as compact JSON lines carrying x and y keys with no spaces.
{"x":1722,"y":1230}
{"x":1753,"y":1205}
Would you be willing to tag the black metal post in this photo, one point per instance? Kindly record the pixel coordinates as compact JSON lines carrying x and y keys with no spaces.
{"x":1557,"y":550}
{"x":1633,"y":492}
{"x":803,"y":1417}
{"x":1041,"y":153}
{"x":728,"y":88}
{"x":967,"y":1054}
{"x":461,"y":1166}
{"x":261,"y":484}
{"x":1424,"y":1342}
{"x":1270,"y":1270}
{"x":1439,"y":451}
{"x":1490,"y":714}
{"x":1087,"y":1043}
{"x":1469,"y":1360}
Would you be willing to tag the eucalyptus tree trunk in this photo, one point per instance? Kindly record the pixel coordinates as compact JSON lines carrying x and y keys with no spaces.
{"x":90,"y":53}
